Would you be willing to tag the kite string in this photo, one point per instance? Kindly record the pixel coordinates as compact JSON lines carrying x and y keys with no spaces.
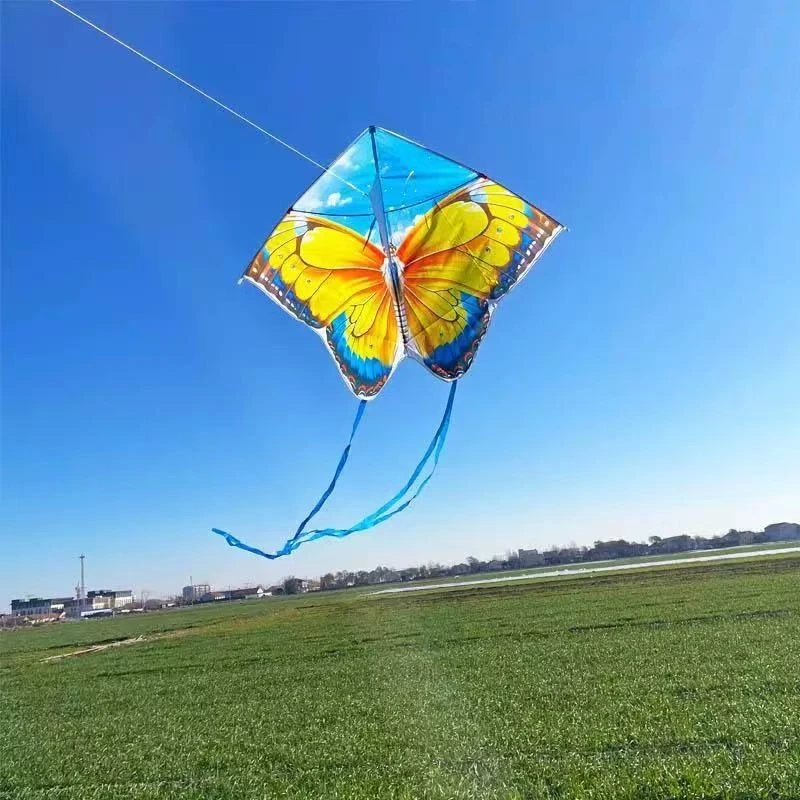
{"x":207,"y":96}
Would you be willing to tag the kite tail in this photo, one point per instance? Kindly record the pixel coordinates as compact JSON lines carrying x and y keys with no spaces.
{"x":233,"y":541}
{"x":394,"y":506}
{"x":340,"y":466}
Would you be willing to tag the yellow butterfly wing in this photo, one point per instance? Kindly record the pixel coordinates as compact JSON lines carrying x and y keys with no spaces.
{"x":457,"y":262}
{"x":331,"y":278}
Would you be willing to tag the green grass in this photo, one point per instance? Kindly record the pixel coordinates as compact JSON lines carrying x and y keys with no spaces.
{"x":673,"y":683}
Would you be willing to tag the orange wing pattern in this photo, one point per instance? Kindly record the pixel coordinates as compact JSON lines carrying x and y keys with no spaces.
{"x":331,"y":278}
{"x":458,"y":260}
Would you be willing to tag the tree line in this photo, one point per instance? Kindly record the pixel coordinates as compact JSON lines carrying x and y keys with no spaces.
{"x":555,"y":556}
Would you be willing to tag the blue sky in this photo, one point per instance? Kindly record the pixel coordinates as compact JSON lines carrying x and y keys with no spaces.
{"x":644,"y":379}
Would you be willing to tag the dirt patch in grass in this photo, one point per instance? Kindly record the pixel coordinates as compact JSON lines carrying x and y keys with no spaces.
{"x":97,"y":648}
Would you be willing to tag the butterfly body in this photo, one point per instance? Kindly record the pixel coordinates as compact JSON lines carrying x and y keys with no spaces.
{"x":393,"y":270}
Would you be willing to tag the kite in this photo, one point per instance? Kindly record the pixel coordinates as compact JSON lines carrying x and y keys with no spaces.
{"x":394,"y":252}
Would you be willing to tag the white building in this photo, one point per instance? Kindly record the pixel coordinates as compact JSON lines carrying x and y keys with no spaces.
{"x":101,"y":599}
{"x":43,"y":608}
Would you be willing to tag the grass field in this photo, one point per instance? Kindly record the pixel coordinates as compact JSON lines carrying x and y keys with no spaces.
{"x":672,"y":683}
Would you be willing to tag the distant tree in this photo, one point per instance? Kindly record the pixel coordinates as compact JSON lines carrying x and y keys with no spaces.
{"x":327,"y":581}
{"x":732,"y":538}
{"x":616,"y":548}
{"x":344,"y":579}
{"x":362,"y":578}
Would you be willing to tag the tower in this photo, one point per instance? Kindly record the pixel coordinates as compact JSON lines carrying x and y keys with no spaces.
{"x":82,"y":591}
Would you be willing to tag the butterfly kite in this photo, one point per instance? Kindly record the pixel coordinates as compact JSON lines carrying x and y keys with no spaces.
{"x":396,"y":251}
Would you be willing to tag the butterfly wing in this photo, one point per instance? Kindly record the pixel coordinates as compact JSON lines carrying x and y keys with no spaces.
{"x":331,"y":278}
{"x":458,"y":261}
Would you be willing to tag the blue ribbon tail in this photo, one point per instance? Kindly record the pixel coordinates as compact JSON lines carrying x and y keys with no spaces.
{"x":340,"y":466}
{"x":234,"y":542}
{"x":398,"y":503}
{"x":286,"y":549}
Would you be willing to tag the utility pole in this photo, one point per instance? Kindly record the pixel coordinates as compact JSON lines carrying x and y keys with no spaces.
{"x":82,"y":595}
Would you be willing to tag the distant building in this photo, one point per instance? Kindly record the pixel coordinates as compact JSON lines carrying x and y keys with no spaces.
{"x":76,"y":607}
{"x":211,"y":597}
{"x":101,"y":599}
{"x":40,"y":608}
{"x":782,"y":532}
{"x":52,"y":608}
{"x":191,"y":594}
{"x":250,"y":593}
{"x":530,"y":558}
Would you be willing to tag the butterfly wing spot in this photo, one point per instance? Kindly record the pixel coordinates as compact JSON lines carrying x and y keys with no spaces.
{"x":281,"y":253}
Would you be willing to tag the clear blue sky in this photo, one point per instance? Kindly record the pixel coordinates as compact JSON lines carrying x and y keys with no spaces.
{"x":644,"y":379}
